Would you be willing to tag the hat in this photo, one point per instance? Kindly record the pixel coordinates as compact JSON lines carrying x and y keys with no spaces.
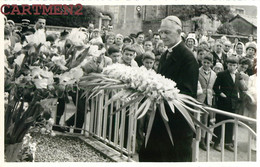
{"x":218,"y":65}
{"x":10,"y":22}
{"x":174,"y":19}
{"x":192,"y":36}
{"x":25,"y":21}
{"x":251,"y":45}
{"x":96,"y":30}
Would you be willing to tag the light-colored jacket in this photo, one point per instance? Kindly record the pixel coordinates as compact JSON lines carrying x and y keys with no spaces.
{"x":207,"y":86}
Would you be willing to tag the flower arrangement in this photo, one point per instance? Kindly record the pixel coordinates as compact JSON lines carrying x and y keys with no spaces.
{"x":145,"y":87}
{"x":34,"y":75}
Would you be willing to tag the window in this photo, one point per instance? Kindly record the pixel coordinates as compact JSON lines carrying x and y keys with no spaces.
{"x":239,"y":11}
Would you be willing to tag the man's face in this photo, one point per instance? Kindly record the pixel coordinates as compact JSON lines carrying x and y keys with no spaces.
{"x":156,"y":38}
{"x":242,"y":67}
{"x":190,"y":43}
{"x":168,"y":33}
{"x":231,"y":67}
{"x":140,"y":39}
{"x":239,"y":49}
{"x":227,"y":47}
{"x":148,"y":46}
{"x":218,"y":47}
{"x":148,"y":63}
{"x":128,"y":56}
{"x":115,"y":57}
{"x":40,"y":24}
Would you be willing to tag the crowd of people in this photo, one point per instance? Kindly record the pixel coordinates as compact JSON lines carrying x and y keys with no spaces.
{"x":226,"y":74}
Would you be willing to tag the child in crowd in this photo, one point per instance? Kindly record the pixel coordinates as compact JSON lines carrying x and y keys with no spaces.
{"x":160,"y":49}
{"x":114,"y":53}
{"x":218,"y":68}
{"x":207,"y":79}
{"x":148,"y":60}
{"x":148,"y":45}
{"x":226,"y":88}
{"x":156,"y":63}
{"x":128,"y":57}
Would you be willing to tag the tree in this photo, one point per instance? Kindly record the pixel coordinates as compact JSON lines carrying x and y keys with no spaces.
{"x":226,"y":28}
{"x":186,"y":12}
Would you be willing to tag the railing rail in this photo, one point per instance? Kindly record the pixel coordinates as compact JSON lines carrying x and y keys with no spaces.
{"x":119,"y":130}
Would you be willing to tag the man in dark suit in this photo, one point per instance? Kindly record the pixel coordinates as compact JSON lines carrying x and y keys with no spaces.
{"x":219,"y":55}
{"x":226,"y":89}
{"x":177,"y":63}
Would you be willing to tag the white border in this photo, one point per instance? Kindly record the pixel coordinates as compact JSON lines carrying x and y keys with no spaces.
{"x":116,"y":2}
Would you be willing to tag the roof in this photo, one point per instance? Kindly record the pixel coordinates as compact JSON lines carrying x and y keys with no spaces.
{"x":249,"y":19}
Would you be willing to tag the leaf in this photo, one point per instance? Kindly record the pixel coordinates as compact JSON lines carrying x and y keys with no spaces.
{"x":185,"y":114}
{"x":141,"y":108}
{"x":190,"y":109}
{"x":202,"y":126}
{"x":183,"y":96}
{"x":171,"y":106}
{"x":193,"y":104}
{"x":145,"y":109}
{"x":168,"y":130}
{"x":150,"y":125}
{"x":129,"y":103}
{"x":162,"y":111}
{"x":115,"y":97}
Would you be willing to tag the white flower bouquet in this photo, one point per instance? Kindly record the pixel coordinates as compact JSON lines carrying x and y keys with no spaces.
{"x":145,"y":87}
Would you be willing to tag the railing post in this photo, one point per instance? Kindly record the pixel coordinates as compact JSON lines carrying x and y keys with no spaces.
{"x":195,"y":157}
{"x":249,"y":146}
{"x":235,"y":139}
{"x":223,"y":142}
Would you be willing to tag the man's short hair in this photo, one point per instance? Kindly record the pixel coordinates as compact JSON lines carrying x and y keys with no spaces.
{"x":127,"y":39}
{"x":156,"y":34}
{"x":40,"y":17}
{"x":148,"y":55}
{"x":208,"y":57}
{"x":113,"y":49}
{"x":139,"y":33}
{"x":232,"y":60}
{"x":129,"y":48}
{"x":245,"y":61}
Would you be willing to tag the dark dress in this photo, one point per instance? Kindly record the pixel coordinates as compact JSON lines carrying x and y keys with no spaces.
{"x":182,"y":67}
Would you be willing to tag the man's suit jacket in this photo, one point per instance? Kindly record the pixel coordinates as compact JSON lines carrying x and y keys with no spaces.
{"x":207,"y":86}
{"x":222,"y":60}
{"x":225,"y":84}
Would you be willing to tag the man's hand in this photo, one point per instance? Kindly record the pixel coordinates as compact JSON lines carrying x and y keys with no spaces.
{"x":222,"y":95}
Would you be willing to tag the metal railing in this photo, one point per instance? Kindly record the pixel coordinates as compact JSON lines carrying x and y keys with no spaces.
{"x":235,"y":119}
{"x":118,"y":130}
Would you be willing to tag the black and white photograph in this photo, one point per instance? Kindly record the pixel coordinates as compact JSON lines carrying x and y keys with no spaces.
{"x":129,"y":83}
